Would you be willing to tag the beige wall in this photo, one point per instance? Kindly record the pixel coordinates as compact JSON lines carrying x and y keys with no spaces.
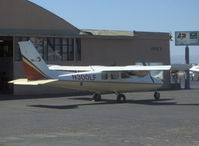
{"x":124,"y":51}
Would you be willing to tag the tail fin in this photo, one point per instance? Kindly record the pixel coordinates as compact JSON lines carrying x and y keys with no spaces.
{"x":34,"y":66}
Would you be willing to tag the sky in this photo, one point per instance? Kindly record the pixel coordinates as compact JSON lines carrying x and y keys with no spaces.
{"x":139,"y":15}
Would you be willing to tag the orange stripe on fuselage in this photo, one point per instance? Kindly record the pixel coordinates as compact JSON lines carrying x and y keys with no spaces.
{"x":31,"y":72}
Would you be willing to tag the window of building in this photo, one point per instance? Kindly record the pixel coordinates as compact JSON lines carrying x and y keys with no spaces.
{"x":53,"y":49}
{"x":64,"y":49}
{"x":50,"y":49}
{"x":17,"y":50}
{"x":78,"y":49}
{"x":70,"y":49}
{"x":39,"y":44}
{"x":58,"y":49}
{"x":45,"y":56}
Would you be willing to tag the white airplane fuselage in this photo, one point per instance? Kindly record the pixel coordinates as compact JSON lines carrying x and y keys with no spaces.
{"x":94,"y":81}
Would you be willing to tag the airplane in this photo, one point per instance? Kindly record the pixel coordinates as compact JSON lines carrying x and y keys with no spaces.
{"x":96,"y":79}
{"x":195,"y":68}
{"x":194,"y":72}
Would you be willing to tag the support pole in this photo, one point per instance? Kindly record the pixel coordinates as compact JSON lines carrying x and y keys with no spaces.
{"x":187,"y":75}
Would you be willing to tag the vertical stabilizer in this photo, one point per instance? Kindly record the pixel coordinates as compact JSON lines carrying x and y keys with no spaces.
{"x":34,"y":66}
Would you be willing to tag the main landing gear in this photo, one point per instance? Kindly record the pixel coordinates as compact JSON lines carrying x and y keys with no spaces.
{"x":97,"y":97}
{"x":156,"y":95}
{"x":120,"y":98}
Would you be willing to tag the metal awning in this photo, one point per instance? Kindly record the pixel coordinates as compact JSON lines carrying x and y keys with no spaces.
{"x":107,"y":33}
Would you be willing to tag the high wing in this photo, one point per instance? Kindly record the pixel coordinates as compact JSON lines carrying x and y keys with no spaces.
{"x":119,"y":68}
{"x":131,"y":68}
{"x":70,"y":68}
{"x":107,"y":68}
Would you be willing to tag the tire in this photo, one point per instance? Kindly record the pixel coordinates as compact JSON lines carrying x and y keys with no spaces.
{"x":121,"y":98}
{"x":97,"y":97}
{"x":157,"y":95}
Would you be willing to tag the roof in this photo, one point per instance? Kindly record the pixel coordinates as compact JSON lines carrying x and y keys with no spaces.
{"x":122,"y":34}
{"x":38,"y":32}
{"x":23,"y":16}
{"x":117,"y":33}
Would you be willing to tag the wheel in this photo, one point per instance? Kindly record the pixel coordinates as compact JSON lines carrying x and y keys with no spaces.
{"x":121,"y":98}
{"x":96,"y":97}
{"x":156,"y":95}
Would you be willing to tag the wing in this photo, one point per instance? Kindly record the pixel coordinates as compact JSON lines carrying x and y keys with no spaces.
{"x":179,"y":67}
{"x":119,"y":68}
{"x":107,"y":68}
{"x":70,"y":68}
{"x":131,"y":68}
{"x":127,"y":71}
{"x":142,"y":70}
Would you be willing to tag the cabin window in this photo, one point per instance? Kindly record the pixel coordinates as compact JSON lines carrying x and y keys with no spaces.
{"x":115,"y":75}
{"x":125,"y":75}
{"x":104,"y":76}
{"x":111,"y":75}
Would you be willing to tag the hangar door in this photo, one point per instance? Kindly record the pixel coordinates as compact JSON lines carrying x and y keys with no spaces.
{"x":6,"y":64}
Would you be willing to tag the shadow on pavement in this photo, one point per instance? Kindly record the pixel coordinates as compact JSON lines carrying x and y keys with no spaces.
{"x":150,"y":102}
{"x":18,"y":97}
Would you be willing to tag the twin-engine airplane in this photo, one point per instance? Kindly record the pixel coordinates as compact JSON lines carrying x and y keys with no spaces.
{"x":96,"y":79}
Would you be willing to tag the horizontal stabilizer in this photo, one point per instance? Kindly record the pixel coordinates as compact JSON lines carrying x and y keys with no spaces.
{"x":27,"y":82}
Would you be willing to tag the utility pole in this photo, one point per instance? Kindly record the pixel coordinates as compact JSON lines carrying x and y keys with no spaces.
{"x":187,"y":75}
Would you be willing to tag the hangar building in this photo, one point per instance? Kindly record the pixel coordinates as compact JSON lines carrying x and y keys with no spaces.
{"x":59,"y":42}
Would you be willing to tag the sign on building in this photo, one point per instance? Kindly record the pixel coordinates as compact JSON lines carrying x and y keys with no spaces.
{"x":186,"y":38}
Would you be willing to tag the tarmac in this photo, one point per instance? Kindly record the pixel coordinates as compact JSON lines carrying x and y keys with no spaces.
{"x":77,"y":121}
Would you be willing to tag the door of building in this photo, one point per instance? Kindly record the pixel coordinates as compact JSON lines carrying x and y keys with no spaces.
{"x":6,"y":64}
